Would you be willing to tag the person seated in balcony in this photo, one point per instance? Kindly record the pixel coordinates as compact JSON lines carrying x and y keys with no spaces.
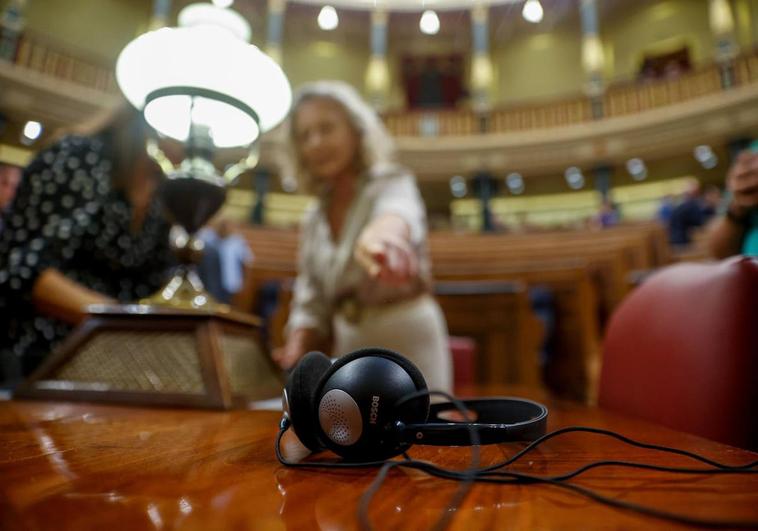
{"x":694,"y":212}
{"x":85,"y":227}
{"x":737,"y":231}
{"x":363,"y":272}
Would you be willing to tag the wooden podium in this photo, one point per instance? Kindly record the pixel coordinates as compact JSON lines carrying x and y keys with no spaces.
{"x":150,"y":355}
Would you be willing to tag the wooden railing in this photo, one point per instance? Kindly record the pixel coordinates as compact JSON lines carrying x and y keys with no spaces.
{"x":746,"y":68}
{"x":620,"y":99}
{"x":631,"y":98}
{"x":536,"y":116}
{"x":36,"y":52}
{"x":40,"y":54}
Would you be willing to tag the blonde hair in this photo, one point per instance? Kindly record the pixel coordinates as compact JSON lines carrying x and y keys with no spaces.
{"x":377,"y":148}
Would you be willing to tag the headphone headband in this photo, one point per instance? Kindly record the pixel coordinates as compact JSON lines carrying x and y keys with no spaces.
{"x":497,"y":420}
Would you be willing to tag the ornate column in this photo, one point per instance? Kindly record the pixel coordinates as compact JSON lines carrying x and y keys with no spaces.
{"x":485,"y":187}
{"x":161,"y":14}
{"x":11,"y":26}
{"x":481,"y":64}
{"x":722,"y":25}
{"x":377,"y":72}
{"x":593,"y":58}
{"x":261,"y":179}
{"x":602,"y":175}
{"x":275,"y":29}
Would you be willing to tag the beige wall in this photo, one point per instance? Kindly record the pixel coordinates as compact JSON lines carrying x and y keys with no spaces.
{"x":663,"y":26}
{"x":752,"y":12}
{"x":99,"y":28}
{"x":743,"y":11}
{"x":325,"y":59}
{"x":529,"y":65}
{"x":542,"y":65}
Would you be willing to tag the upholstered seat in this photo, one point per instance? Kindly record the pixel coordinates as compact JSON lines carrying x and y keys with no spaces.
{"x":682,"y":351}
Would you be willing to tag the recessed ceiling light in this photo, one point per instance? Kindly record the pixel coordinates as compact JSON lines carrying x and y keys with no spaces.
{"x":532,"y":11}
{"x":328,"y":18}
{"x":32,"y":131}
{"x":429,"y":23}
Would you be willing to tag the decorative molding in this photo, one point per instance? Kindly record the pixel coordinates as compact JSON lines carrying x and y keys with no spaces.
{"x":651,"y":134}
{"x":408,"y":5}
{"x":59,"y":102}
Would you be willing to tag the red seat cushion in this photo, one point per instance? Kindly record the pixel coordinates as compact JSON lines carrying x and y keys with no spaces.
{"x":463,"y":351}
{"x":682,"y":350}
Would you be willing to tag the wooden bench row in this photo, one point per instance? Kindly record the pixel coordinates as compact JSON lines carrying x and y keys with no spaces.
{"x":587,"y":273}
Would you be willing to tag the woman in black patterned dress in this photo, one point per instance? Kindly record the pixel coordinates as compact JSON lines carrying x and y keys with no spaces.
{"x":85,"y":227}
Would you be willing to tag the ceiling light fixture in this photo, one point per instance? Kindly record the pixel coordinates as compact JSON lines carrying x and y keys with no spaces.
{"x":458,"y":186}
{"x":532,"y":11}
{"x":429,"y":23}
{"x":328,"y":19}
{"x":574,"y":178}
{"x":32,"y":131}
{"x":515,"y":183}
{"x":637,"y":169}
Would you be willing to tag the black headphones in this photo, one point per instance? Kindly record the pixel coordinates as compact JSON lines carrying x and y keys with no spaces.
{"x":358,"y":408}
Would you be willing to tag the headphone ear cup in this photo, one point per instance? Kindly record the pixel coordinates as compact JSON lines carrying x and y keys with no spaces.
{"x":300,"y":392}
{"x":355,"y":403}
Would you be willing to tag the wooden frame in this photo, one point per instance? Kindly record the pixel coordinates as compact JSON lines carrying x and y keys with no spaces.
{"x":208,"y":331}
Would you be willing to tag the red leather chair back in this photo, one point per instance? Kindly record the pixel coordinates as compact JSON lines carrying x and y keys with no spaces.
{"x":463,"y":351}
{"x":682,"y":351}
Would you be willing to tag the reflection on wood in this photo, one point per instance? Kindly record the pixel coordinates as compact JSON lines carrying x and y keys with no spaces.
{"x":72,"y":467}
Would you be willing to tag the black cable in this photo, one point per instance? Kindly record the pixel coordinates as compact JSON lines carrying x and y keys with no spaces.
{"x":284,"y":425}
{"x":600,"y":431}
{"x":494,"y":474}
{"x":521,"y":478}
{"x":467,"y":477}
{"x":645,"y":466}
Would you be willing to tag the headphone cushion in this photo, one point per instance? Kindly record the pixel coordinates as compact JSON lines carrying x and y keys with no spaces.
{"x":301,"y":388}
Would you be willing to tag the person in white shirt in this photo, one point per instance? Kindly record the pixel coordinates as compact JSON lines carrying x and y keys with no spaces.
{"x":363,"y":272}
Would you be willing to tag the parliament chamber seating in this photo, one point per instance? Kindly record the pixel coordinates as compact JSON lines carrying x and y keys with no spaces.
{"x":588,"y":274}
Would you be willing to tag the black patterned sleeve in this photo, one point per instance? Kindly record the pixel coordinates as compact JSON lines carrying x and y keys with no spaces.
{"x":61,"y":190}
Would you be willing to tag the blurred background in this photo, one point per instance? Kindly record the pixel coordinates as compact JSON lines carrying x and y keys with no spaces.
{"x":483,"y":91}
{"x":551,"y":139}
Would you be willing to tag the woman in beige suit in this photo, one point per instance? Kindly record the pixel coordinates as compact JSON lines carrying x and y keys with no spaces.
{"x":363,"y":271}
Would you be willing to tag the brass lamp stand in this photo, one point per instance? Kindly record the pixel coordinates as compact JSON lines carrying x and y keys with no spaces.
{"x":178,"y":347}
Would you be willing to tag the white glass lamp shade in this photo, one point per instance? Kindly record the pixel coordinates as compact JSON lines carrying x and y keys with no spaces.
{"x":238,"y":91}
{"x":204,"y":14}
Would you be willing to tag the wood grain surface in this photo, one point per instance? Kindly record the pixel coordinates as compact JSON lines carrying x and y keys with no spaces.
{"x":67,"y":466}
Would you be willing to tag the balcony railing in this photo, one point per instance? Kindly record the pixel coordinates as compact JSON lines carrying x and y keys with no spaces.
{"x":37,"y":53}
{"x":620,"y":99}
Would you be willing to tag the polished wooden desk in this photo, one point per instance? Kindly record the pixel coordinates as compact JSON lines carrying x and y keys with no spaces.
{"x":67,"y":466}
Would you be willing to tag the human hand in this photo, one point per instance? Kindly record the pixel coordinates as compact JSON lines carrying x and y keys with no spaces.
{"x":742,"y":181}
{"x":383,"y":249}
{"x":288,"y":355}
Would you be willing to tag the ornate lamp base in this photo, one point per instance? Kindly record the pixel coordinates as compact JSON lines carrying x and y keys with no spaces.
{"x":148,"y":355}
{"x":185,"y":291}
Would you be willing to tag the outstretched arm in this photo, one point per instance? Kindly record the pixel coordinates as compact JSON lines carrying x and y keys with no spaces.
{"x":726,"y":234}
